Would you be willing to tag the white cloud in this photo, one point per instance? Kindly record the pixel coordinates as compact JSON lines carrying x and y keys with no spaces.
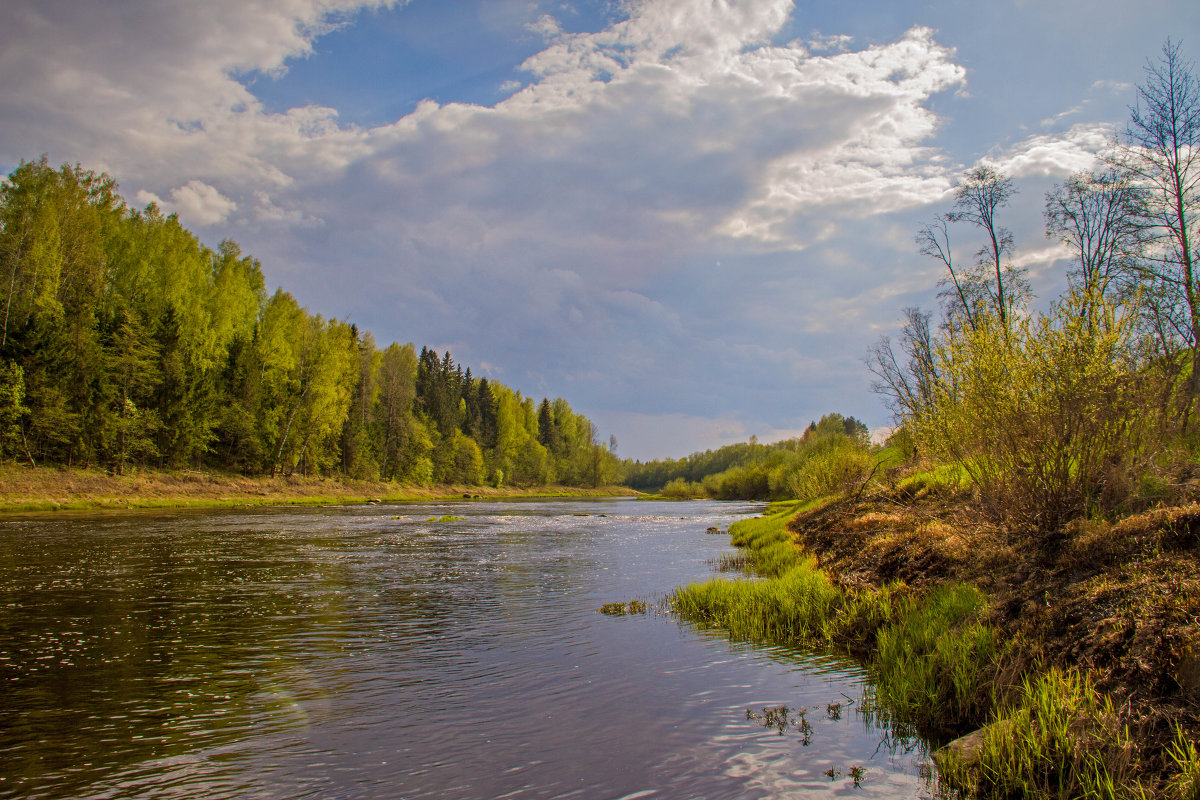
{"x":837,"y":43}
{"x":197,"y":203}
{"x":1056,"y":154}
{"x":546,"y":26}
{"x":147,"y":90}
{"x":558,"y":229}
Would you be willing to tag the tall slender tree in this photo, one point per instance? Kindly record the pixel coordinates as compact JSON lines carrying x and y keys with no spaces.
{"x":981,"y":194}
{"x":1096,"y":215}
{"x":1160,"y":151}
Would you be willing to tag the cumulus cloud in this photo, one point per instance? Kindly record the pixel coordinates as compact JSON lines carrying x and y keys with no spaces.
{"x":1058,"y":154}
{"x":834,"y":42}
{"x":200,"y":204}
{"x":150,"y":90}
{"x":526,"y":233}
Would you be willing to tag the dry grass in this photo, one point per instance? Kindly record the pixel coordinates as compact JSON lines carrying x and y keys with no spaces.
{"x":1117,"y":601}
{"x":24,"y":488}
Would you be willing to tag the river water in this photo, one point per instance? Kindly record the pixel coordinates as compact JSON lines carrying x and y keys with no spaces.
{"x":386,"y":652}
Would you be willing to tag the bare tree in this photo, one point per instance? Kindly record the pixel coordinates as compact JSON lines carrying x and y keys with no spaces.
{"x":992,"y":280}
{"x":1096,"y":214}
{"x":905,"y":384}
{"x":983,"y":191}
{"x":963,"y":298}
{"x":1161,"y":153}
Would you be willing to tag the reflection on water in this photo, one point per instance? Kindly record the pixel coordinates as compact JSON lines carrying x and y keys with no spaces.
{"x":403,"y":651}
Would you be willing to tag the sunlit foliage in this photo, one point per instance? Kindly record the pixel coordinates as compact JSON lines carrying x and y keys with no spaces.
{"x":125,"y":342}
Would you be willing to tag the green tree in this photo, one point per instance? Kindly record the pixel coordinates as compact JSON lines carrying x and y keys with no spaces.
{"x":468,"y":462}
{"x":12,"y":409}
{"x":131,"y":356}
{"x":359,"y":446}
{"x":53,"y":226}
{"x":395,"y":425}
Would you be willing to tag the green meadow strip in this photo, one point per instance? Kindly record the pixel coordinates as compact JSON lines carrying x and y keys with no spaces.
{"x":932,"y":657}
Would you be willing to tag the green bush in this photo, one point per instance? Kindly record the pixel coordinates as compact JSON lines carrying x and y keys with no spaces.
{"x":1041,"y":412}
{"x":681,"y":489}
{"x":838,"y":467}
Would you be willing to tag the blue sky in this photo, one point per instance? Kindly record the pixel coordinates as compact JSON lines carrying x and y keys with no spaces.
{"x":690,"y":218}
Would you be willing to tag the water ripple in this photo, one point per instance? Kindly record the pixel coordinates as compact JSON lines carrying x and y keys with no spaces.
{"x":365,"y":652}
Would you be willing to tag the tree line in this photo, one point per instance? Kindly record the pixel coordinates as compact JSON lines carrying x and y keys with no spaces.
{"x":831,"y":454}
{"x":1088,"y":407}
{"x":125,"y":342}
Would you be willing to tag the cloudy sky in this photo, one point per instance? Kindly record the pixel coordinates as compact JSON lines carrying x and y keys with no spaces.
{"x":690,"y":218}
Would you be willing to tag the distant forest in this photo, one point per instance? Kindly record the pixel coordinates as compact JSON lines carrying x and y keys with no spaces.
{"x":831,"y":455}
{"x":125,"y":342}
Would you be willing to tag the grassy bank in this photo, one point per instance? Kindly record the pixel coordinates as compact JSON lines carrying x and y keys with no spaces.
{"x":1073,"y":656}
{"x":50,"y":489}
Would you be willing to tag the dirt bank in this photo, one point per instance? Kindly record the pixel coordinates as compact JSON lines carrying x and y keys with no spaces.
{"x":1117,"y":600}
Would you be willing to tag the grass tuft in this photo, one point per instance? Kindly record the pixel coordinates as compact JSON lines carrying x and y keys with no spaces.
{"x":792,"y":607}
{"x":1064,"y":740}
{"x":934,"y":662}
{"x":1183,"y":753}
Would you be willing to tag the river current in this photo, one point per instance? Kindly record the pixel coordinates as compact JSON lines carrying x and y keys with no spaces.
{"x":407,"y":651}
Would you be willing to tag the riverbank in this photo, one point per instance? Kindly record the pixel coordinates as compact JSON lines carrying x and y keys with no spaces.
{"x":24,"y":489}
{"x":1072,"y":655}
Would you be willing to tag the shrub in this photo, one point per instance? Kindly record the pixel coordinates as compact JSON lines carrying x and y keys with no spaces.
{"x":1040,"y":412}
{"x":838,"y":467}
{"x":681,"y":489}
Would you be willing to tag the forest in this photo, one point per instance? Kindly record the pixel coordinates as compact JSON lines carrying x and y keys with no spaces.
{"x":126,"y":343}
{"x":831,"y":455}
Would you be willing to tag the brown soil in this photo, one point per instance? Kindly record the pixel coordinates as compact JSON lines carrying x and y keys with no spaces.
{"x":24,"y":488}
{"x":1118,"y":600}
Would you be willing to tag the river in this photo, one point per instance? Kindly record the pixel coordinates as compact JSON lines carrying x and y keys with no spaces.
{"x":408,"y":651}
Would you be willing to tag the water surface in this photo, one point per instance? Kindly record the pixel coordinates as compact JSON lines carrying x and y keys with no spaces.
{"x":376,"y":652}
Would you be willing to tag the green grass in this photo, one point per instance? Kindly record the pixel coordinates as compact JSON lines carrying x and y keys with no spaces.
{"x":795,"y":606}
{"x":932,"y":656}
{"x":934,"y":662}
{"x":942,"y":477}
{"x":1063,"y":740}
{"x":890,"y":456}
{"x":1183,"y":753}
{"x":771,"y":547}
{"x":935,"y":665}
